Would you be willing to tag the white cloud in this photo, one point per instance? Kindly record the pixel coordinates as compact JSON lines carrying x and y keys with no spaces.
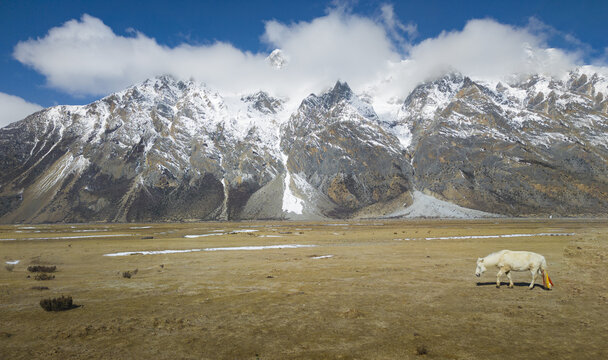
{"x":13,"y":108}
{"x":86,"y":57}
{"x":486,"y":48}
{"x":396,"y":29}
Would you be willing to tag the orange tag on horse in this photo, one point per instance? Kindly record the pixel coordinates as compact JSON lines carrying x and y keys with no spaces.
{"x":547,"y":280}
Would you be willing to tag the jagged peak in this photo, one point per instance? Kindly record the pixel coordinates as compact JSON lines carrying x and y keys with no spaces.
{"x":277,"y":59}
{"x":340,"y":91}
{"x":263,"y":102}
{"x":442,"y":87}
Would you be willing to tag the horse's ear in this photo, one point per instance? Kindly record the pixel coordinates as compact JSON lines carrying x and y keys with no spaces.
{"x":479,"y":259}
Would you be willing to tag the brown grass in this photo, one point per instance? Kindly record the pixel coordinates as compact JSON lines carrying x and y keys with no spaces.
{"x":379,"y":297}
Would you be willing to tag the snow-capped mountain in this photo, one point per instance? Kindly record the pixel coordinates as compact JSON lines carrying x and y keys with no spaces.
{"x":533,"y":147}
{"x":339,"y":156}
{"x":164,"y":149}
{"x":277,"y":59}
{"x":177,"y":150}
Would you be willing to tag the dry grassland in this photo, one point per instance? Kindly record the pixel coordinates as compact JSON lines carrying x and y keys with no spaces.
{"x":379,"y":296}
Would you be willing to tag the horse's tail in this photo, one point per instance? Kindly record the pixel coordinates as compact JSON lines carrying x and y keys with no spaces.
{"x":543,"y":266}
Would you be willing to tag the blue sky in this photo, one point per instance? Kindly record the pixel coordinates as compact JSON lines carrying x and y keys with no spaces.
{"x":576,"y":28}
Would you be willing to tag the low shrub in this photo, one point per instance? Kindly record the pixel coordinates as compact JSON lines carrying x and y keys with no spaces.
{"x":44,"y":276}
{"x":421,"y":350}
{"x":41,"y":268}
{"x":57,"y":304}
{"x":128,"y":274}
{"x":9,"y":267}
{"x":40,"y":288}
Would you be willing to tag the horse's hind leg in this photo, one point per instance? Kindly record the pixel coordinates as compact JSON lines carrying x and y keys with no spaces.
{"x":533,"y":271}
{"x":510,"y":280}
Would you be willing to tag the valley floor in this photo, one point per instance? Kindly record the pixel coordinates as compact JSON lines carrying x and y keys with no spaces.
{"x":366,"y":290}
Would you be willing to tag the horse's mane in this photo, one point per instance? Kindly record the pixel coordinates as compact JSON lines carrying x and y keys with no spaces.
{"x":493,"y":255}
{"x":497,"y":252}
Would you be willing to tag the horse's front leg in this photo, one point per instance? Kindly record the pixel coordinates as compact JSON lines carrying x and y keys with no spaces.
{"x":533,"y":271}
{"x":510,"y":280}
{"x":500,"y":272}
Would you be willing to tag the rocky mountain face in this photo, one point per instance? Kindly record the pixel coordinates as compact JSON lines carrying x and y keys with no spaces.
{"x":162,"y":150}
{"x":176,"y":150}
{"x":340,"y":155}
{"x":535,"y":147}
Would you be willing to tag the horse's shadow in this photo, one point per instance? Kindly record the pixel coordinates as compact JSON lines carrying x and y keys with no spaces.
{"x":521,"y":284}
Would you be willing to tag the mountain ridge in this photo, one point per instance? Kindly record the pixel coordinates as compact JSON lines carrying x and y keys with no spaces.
{"x":168,"y":149}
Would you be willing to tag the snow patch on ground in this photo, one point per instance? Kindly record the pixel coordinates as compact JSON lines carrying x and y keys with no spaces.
{"x":13,"y":262}
{"x":203,"y":235}
{"x":91,"y":230}
{"x":73,"y":237}
{"x":428,"y":206}
{"x":322,"y":257}
{"x":238,"y":248}
{"x":220,"y":233}
{"x":487,"y":236}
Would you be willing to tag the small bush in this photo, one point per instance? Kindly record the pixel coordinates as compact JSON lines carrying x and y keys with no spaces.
{"x":421,"y":350}
{"x":9,"y":267}
{"x":57,"y":304}
{"x":40,"y":288}
{"x":41,"y":268}
{"x":44,"y":276}
{"x":128,"y":274}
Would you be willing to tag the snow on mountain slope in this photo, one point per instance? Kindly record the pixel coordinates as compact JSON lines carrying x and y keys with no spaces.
{"x":343,"y":158}
{"x":162,"y":148}
{"x":529,"y":147}
{"x":175,"y":150}
{"x":429,"y":207}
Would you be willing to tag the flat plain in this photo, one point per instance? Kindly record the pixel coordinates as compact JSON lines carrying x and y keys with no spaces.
{"x":358,"y":290}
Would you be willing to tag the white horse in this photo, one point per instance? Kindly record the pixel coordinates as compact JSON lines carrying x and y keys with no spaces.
{"x":507,"y":261}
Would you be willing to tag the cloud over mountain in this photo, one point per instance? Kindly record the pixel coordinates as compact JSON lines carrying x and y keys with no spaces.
{"x":87,"y":57}
{"x":14,"y":108}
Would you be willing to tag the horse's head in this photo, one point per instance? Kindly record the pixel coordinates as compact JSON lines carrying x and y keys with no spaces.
{"x":481,"y":267}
